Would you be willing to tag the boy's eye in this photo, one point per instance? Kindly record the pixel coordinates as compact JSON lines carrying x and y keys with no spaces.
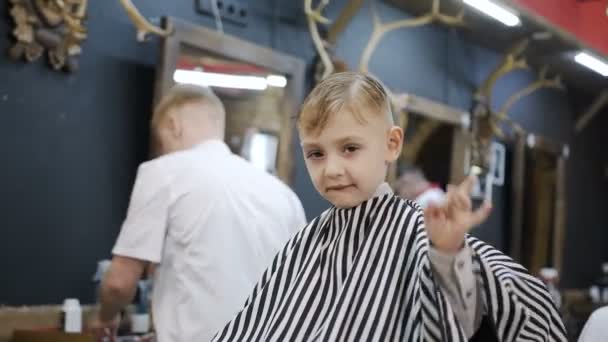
{"x":314,"y":155}
{"x":351,"y":148}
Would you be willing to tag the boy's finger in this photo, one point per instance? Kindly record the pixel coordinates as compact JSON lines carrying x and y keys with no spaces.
{"x":480,"y":215}
{"x":431,"y":211}
{"x":434,"y":213}
{"x":467,"y":184}
{"x":462,"y":201}
{"x":450,"y":203}
{"x":457,"y":203}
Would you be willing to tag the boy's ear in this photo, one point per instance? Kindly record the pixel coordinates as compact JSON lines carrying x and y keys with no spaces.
{"x":394,"y":143}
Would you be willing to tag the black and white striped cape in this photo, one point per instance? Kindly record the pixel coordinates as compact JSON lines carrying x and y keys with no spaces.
{"x":363,"y":274}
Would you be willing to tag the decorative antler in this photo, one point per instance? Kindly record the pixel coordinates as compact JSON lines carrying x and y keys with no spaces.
{"x":600,"y":101}
{"x":399,"y":101}
{"x":380,"y":29}
{"x":56,"y":26}
{"x":487,"y":122}
{"x":73,"y":20}
{"x":313,"y":17}
{"x":484,"y":125}
{"x":511,"y":61}
{"x":143,"y":26}
{"x":541,"y":82}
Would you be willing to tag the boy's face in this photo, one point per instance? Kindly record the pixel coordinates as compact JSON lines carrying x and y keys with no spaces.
{"x":348,"y":159}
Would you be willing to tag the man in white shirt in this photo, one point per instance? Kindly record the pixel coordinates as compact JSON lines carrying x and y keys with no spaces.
{"x":208,"y":219}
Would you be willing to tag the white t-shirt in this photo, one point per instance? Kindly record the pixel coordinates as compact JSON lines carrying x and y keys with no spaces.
{"x":213,"y":222}
{"x":596,"y":328}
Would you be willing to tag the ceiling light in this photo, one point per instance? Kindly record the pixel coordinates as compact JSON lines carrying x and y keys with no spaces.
{"x":209,"y":79}
{"x":276,"y":81}
{"x":592,"y":62}
{"x":496,"y":11}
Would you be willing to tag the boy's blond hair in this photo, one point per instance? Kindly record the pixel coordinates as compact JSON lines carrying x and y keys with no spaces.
{"x":183,"y":94}
{"x":359,"y":93}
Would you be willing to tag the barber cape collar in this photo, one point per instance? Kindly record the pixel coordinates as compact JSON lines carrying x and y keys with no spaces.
{"x":363,"y":274}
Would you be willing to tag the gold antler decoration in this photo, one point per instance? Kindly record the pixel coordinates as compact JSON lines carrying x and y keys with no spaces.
{"x":486,"y":123}
{"x":600,"y":101}
{"x":143,"y":26}
{"x":541,"y":82}
{"x":512,"y":60}
{"x":380,"y":29}
{"x":313,"y":17}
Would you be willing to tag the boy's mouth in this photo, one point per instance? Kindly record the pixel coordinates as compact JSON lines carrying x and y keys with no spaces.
{"x":338,"y":187}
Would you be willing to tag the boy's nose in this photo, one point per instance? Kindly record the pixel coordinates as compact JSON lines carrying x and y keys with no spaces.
{"x":334,"y":168}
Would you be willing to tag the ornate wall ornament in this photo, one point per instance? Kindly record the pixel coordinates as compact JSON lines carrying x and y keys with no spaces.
{"x":52,"y":26}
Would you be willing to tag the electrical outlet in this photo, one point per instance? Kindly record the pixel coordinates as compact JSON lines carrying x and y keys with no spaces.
{"x":234,"y":11}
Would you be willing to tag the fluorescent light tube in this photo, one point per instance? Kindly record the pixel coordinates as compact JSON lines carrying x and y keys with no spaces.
{"x":276,"y":81}
{"x":592,"y":62}
{"x":209,"y":79}
{"x":496,"y":11}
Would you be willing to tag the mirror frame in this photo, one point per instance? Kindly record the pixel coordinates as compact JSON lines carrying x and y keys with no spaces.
{"x":443,"y":114}
{"x":561,"y":151}
{"x":224,"y":45}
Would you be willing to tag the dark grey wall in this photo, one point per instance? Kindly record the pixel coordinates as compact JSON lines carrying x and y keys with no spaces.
{"x":70,"y":144}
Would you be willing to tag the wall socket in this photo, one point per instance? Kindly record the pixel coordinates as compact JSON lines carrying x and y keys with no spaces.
{"x":234,"y":11}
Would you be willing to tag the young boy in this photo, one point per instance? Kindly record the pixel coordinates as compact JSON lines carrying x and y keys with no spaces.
{"x":374,"y":267}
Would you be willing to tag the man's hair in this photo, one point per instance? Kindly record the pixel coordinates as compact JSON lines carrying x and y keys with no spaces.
{"x":357,"y":92}
{"x":183,"y":94}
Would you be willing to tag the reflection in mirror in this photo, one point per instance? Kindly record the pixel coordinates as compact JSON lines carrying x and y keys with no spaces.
{"x":261,"y":90}
{"x":539,"y":206}
{"x":428,"y":145}
{"x":540,"y":228}
{"x":252,"y":96}
{"x":261,"y":149}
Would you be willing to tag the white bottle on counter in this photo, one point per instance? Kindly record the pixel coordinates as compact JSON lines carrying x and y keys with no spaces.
{"x":550,"y":277}
{"x":72,"y":316}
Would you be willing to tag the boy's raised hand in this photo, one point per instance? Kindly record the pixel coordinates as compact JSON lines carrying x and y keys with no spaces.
{"x":447,"y":223}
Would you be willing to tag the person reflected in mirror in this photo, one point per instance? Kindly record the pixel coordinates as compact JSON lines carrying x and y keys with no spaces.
{"x":413,"y":185}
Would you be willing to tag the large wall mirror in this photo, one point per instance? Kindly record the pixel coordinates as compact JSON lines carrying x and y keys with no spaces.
{"x":260,"y":88}
{"x":528,"y":221}
{"x":538,"y":237}
{"x":435,"y":140}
